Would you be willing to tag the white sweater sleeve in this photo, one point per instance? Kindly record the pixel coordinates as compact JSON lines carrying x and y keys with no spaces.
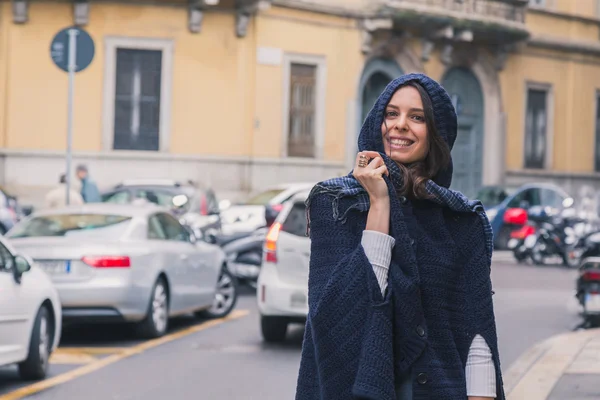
{"x":480,"y":371}
{"x":378,"y":249}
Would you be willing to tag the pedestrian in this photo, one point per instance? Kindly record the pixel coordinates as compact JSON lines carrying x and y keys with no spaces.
{"x":57,"y":197}
{"x":399,"y":291}
{"x":89,"y":190}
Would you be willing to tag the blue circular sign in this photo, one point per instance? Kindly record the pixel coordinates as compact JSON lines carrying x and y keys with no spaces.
{"x":84,"y":45}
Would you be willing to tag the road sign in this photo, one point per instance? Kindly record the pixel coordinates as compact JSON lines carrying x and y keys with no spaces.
{"x":72,"y":50}
{"x":84,"y":49}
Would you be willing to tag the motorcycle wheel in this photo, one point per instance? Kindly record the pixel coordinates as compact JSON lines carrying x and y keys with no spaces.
{"x":571,"y":261}
{"x":536,"y":254}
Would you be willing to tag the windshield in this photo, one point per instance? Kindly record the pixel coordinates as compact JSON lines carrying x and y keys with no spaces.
{"x":263,"y":198}
{"x":97,"y":225}
{"x":492,"y":196}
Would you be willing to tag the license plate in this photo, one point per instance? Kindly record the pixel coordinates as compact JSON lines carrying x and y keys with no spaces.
{"x":55,"y":267}
{"x":512,"y":243}
{"x":530,"y":241}
{"x":592,"y":303}
{"x":298,"y":300}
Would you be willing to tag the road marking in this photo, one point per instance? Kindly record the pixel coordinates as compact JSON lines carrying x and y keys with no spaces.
{"x":111,"y":359}
{"x":535,"y":374}
{"x":90,"y":350}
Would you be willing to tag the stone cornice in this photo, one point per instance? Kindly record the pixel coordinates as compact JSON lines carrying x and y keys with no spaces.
{"x":560,"y":44}
{"x":328,"y":9}
{"x":556,"y":14}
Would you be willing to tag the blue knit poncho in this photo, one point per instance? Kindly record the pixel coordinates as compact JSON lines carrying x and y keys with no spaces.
{"x":360,"y":345}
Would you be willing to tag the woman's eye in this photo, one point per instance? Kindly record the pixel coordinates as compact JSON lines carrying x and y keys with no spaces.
{"x":419,"y":118}
{"x":391,"y":114}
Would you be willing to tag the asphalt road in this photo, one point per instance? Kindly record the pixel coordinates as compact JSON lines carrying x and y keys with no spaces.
{"x":228,"y":360}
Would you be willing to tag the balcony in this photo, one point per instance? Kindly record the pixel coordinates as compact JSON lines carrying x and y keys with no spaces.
{"x":491,"y":22}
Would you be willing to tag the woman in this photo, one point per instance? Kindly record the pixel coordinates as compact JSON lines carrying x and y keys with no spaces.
{"x":400,"y":297}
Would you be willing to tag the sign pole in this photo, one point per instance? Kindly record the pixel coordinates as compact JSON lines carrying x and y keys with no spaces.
{"x":72,"y":67}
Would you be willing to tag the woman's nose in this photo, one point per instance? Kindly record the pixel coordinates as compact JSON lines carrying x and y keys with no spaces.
{"x":401,"y":124}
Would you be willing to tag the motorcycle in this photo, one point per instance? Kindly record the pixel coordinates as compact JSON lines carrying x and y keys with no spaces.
{"x":558,"y":235}
{"x":244,"y":256}
{"x":588,"y":287}
{"x":521,"y":242}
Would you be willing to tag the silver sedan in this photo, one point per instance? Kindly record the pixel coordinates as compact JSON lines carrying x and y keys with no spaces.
{"x":126,"y":263}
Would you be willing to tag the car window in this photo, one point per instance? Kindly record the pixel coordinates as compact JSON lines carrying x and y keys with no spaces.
{"x":120,"y":197}
{"x":263,"y":198}
{"x":295,"y":222}
{"x":6,"y":259}
{"x":160,"y":197}
{"x":172,"y":228}
{"x":551,"y":198}
{"x":88,"y":225}
{"x":531,"y":196}
{"x":155,"y":229}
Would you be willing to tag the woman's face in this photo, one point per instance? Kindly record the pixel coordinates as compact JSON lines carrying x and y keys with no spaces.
{"x":404,"y":129}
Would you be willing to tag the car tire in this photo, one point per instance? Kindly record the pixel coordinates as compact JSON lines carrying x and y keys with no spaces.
{"x":156,"y":322}
{"x":273,"y":329}
{"x":35,"y":367}
{"x":225,"y":298}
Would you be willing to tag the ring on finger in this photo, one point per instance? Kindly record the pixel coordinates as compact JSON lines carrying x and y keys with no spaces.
{"x":362,"y":162}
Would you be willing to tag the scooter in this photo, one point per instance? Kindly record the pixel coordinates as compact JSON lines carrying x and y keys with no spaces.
{"x":244,"y":256}
{"x":522,"y":241}
{"x":588,"y":291}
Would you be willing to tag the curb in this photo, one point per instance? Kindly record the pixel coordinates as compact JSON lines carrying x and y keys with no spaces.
{"x":536,"y":372}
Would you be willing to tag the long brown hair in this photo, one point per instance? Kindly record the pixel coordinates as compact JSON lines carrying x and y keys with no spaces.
{"x":416,"y":175}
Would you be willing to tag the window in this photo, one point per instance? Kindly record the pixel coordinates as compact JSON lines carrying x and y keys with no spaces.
{"x":173,"y":230}
{"x":304,"y":113}
{"x":6,"y":259}
{"x":525,"y":199}
{"x":536,"y":129}
{"x":551,"y":198}
{"x":597,"y":152}
{"x":137,"y":94}
{"x":155,"y":229}
{"x":537,"y":3}
{"x":120,"y":197}
{"x":301,"y":133}
{"x":82,"y":225}
{"x":137,"y":99}
{"x":295,"y":223}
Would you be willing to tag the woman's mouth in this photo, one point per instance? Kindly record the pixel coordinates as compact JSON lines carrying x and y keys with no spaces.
{"x":401,"y":143}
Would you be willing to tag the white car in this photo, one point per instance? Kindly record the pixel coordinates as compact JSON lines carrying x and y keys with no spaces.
{"x":250,"y":216}
{"x":283,"y":281}
{"x":30,"y":314}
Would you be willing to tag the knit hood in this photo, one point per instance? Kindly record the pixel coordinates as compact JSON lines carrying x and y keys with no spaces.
{"x":370,"y":137}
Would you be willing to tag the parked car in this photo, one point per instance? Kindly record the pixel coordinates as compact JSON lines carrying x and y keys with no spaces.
{"x":10,"y":211}
{"x":197,"y":207}
{"x":125,"y":263}
{"x":261,"y":209}
{"x":498,"y":199}
{"x":30,"y":314}
{"x":283,"y":280}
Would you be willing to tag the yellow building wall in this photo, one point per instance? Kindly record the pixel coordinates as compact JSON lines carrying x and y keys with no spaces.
{"x":573,"y":112}
{"x":4,"y":10}
{"x":299,"y":32}
{"x":584,"y":8}
{"x":553,"y":26}
{"x":212,"y":77}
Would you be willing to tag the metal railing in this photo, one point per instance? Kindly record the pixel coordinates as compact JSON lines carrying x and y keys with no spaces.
{"x":490,"y":9}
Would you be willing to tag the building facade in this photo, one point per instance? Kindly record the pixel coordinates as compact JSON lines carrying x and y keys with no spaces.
{"x":243,"y":94}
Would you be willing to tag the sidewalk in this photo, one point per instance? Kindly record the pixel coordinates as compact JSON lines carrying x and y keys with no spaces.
{"x":564,"y":367}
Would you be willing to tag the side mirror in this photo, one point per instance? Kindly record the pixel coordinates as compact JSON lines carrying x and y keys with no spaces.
{"x":21,"y":266}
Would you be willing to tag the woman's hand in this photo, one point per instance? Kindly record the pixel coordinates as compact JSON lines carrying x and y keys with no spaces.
{"x":371,"y":176}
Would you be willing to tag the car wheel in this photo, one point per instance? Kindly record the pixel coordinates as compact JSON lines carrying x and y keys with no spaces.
{"x":225,"y":296}
{"x":157,"y":319}
{"x":274,"y":329}
{"x":35,"y":366}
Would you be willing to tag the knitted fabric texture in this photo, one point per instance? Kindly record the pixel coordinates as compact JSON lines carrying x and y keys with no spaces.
{"x":359,"y":344}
